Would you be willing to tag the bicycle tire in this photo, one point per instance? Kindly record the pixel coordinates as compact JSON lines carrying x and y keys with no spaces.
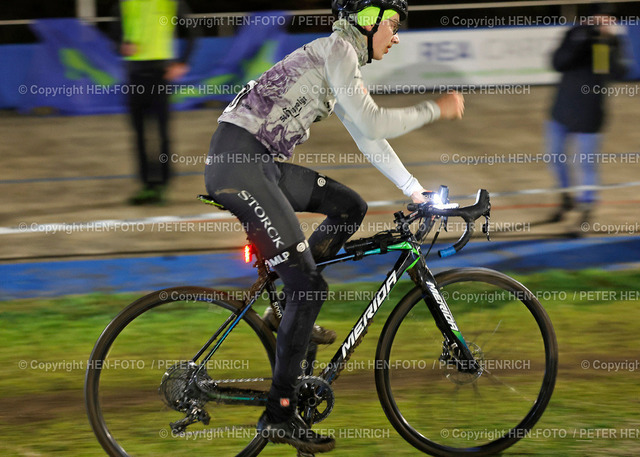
{"x":384,"y":366}
{"x":132,"y":312}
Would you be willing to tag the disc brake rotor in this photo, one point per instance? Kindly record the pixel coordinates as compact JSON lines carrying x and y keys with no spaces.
{"x":456,"y":376}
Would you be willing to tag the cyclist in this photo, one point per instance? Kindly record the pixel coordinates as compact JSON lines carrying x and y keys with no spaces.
{"x":266,"y":121}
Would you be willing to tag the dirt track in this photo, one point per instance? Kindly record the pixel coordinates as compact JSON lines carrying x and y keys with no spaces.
{"x":494,"y":126}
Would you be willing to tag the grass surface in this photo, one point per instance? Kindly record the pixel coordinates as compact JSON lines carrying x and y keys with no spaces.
{"x":44,"y":346}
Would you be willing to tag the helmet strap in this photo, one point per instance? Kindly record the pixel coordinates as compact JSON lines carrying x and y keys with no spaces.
{"x":368,"y":33}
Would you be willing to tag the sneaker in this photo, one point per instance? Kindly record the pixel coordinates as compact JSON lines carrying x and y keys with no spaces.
{"x":149,"y":195}
{"x":319,"y":335}
{"x":296,"y":432}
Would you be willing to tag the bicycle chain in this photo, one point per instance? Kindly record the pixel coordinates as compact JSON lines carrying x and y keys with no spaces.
{"x":228,"y":381}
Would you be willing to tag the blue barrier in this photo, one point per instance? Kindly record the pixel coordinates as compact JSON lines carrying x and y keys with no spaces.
{"x":51,"y":279}
{"x":14,"y":61}
{"x":633,"y":34}
{"x":220,"y":61}
{"x":75,"y":69}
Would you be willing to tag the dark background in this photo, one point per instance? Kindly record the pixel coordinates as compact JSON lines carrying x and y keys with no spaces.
{"x":35,"y":9}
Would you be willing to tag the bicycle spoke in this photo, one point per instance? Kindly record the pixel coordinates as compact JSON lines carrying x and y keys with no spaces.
{"x":511,"y":388}
{"x":484,"y":344}
{"x":475,"y":408}
{"x":169,"y":405}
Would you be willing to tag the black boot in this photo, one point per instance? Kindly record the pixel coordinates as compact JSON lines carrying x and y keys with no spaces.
{"x":319,"y":335}
{"x":583,"y":224}
{"x":296,"y":432}
{"x":565,"y":206}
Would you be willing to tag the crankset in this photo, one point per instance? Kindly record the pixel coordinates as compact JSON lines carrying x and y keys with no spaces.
{"x":315,"y":399}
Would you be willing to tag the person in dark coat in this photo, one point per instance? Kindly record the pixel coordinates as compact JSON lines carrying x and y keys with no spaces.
{"x":589,"y":58}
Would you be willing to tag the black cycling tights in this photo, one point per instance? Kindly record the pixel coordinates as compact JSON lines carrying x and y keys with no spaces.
{"x":264,"y":195}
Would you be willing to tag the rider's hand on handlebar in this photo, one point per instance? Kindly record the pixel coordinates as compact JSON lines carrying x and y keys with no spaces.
{"x":451,"y":106}
{"x":420,"y":197}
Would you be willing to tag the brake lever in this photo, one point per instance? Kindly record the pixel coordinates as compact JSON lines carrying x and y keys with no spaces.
{"x":444,"y":222}
{"x":444,"y":197}
{"x":486,"y":227}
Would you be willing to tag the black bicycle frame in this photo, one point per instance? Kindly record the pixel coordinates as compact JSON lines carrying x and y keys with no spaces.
{"x":410,"y":259}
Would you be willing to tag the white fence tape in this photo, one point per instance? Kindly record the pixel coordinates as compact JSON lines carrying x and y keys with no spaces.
{"x":35,"y":227}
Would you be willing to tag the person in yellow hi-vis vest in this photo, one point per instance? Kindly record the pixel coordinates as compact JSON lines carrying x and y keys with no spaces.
{"x":147,"y":39}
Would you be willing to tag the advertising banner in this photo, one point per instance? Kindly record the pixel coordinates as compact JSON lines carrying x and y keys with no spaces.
{"x":512,"y":55}
{"x":75,"y":70}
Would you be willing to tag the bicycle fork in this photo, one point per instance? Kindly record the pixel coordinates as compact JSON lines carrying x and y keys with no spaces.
{"x":454,"y":346}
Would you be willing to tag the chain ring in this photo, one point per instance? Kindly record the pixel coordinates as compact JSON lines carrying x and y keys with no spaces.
{"x":312,"y":393}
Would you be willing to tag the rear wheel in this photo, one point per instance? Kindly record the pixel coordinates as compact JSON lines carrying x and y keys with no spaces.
{"x":137,"y":382}
{"x":445,"y":412}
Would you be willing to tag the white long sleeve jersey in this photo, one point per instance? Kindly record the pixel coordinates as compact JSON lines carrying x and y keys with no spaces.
{"x":312,"y":82}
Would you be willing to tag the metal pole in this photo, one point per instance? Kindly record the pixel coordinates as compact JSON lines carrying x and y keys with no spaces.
{"x":86,"y":9}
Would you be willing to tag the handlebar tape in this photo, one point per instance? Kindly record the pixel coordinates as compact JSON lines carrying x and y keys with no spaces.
{"x":481,"y":207}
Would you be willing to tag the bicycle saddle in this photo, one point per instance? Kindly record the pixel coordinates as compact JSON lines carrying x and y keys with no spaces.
{"x":209,"y":200}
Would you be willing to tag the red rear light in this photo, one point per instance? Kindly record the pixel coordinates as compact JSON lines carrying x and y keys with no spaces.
{"x":248,"y":253}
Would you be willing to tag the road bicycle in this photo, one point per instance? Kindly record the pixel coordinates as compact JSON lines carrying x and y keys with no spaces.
{"x":465,"y":364}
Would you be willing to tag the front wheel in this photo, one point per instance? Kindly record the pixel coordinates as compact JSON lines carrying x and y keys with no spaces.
{"x":444,"y":411}
{"x":138,"y":393}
